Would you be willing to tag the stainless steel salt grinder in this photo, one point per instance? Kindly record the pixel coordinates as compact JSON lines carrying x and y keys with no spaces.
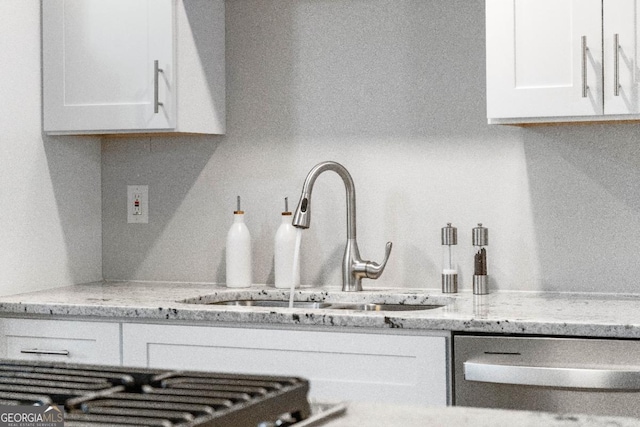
{"x":480,"y":238}
{"x":449,"y":236}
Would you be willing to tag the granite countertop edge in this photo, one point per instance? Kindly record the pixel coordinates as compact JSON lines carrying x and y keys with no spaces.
{"x":504,"y":312}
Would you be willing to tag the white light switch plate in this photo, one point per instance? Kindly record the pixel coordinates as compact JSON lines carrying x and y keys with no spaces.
{"x":137,"y":204}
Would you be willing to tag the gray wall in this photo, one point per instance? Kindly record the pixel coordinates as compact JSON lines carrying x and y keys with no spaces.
{"x":50,"y":202}
{"x":394,"y":90}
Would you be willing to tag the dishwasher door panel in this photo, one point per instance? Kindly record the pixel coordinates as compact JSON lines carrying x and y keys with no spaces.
{"x":591,"y":376}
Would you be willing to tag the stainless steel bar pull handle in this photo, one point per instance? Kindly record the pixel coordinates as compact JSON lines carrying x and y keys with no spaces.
{"x":38,"y":351}
{"x":567,"y":377}
{"x":616,"y":65}
{"x":156,"y":80}
{"x":585,"y":87}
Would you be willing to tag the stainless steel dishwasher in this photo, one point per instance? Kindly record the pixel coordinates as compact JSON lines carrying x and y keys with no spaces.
{"x":590,"y":376}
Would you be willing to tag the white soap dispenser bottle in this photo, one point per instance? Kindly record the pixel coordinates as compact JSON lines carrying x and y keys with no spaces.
{"x":287,"y":269}
{"x":238,"y":252}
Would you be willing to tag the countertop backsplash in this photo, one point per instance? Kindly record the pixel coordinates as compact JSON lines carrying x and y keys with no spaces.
{"x":393,"y":90}
{"x":371,"y":89}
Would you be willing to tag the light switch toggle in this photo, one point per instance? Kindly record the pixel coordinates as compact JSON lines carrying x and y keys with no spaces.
{"x":137,"y":204}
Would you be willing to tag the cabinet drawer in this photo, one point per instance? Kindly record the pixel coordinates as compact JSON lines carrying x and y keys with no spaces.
{"x":60,"y":341}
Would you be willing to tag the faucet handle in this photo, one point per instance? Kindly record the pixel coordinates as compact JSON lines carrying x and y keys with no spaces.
{"x":373,"y":270}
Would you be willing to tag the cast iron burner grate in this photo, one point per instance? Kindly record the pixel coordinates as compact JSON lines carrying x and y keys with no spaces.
{"x":115,"y":396}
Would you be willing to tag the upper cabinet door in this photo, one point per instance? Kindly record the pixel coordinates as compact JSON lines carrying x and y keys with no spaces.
{"x":621,"y":73}
{"x":544,"y":58}
{"x":99,"y":61}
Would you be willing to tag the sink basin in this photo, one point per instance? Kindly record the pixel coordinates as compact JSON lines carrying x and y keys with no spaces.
{"x":384,"y":307}
{"x":272,"y":303}
{"x":327,"y":305}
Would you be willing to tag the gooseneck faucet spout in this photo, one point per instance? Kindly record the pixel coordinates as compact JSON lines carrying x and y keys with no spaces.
{"x":354,"y":269}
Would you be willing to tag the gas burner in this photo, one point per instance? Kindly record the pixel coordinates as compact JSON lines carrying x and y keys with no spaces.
{"x":115,"y":396}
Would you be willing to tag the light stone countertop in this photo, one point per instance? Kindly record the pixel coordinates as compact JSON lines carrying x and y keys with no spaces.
{"x":369,"y":414}
{"x":571,"y":314}
{"x":577,"y":314}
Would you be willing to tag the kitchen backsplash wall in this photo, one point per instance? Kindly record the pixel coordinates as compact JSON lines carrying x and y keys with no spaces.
{"x":50,"y":201}
{"x":395,"y":91}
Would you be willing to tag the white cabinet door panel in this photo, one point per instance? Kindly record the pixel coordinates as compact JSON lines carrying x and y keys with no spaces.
{"x":621,"y":19}
{"x":98,"y":64}
{"x":409,"y":369}
{"x":535,"y":58}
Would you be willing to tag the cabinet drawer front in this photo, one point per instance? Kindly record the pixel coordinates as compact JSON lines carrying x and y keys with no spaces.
{"x":58,"y":349}
{"x":354,"y":366}
{"x":62,"y":341}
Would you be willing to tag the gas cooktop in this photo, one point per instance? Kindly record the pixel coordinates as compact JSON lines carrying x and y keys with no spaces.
{"x":115,"y":396}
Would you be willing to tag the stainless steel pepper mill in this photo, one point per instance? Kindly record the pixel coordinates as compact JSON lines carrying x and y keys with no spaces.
{"x":480,"y":239}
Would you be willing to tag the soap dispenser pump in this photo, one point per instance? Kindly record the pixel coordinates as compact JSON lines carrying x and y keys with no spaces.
{"x":238,"y":257}
{"x":287,"y":269}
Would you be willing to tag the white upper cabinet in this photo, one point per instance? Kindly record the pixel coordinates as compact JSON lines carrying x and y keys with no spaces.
{"x":546,"y":61}
{"x":122,"y":66}
{"x":621,"y":37}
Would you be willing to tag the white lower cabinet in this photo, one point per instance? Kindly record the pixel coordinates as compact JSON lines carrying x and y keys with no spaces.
{"x":60,"y":341}
{"x":375,"y":367}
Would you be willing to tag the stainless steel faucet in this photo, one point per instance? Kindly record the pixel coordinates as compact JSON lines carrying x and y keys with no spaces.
{"x":354,"y":268}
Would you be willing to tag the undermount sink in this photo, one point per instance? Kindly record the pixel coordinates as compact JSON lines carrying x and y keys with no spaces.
{"x":385,"y":307}
{"x":328,"y":305}
{"x":272,"y":303}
